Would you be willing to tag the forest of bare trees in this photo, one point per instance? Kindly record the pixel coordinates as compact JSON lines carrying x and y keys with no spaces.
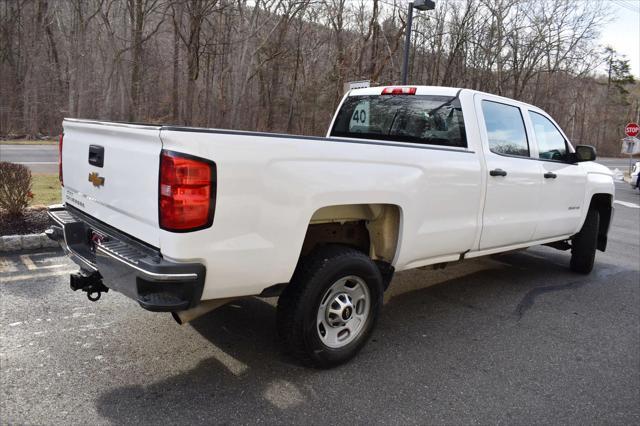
{"x":281,"y":65}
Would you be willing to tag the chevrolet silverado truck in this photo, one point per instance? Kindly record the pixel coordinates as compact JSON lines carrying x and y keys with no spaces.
{"x":184,"y":219}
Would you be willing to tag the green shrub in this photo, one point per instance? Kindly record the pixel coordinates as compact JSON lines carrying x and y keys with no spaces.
{"x":15,"y":188}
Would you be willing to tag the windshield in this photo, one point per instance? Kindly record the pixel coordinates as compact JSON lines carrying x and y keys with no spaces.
{"x":433,"y":120}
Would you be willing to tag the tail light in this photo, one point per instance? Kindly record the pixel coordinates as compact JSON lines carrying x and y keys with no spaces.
{"x":187,"y":192}
{"x":60,"y":159}
{"x":399,"y":90}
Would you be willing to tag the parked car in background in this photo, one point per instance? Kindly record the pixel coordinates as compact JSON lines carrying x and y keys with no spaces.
{"x":635,"y":176}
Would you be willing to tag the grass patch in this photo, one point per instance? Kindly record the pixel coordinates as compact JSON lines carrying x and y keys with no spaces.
{"x":29,"y":142}
{"x":46,"y":189}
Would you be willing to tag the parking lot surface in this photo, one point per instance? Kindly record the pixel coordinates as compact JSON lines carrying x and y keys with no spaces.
{"x":510,"y":339}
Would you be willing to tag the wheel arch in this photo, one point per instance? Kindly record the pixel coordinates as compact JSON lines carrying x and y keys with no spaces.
{"x":373,"y":228}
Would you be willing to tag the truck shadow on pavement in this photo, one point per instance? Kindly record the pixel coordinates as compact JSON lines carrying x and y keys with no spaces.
{"x":427,"y":341}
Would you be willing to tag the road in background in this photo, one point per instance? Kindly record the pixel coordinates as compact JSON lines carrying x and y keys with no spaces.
{"x":44,"y":158}
{"x":39,"y":158}
{"x":515,"y":338}
{"x":621,"y":164}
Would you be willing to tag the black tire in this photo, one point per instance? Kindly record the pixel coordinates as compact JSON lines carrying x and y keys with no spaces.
{"x":300,"y":302}
{"x":583,"y":244}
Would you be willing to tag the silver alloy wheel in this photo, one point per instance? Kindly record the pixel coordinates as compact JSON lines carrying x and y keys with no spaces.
{"x":343,"y":312}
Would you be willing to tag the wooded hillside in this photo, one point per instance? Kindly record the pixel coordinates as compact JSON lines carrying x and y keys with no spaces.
{"x":281,"y":65}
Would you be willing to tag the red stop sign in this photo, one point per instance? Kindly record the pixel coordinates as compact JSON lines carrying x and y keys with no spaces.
{"x":632,"y":129}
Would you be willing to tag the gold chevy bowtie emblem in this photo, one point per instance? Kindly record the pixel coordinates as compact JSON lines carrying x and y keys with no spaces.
{"x":95,"y":179}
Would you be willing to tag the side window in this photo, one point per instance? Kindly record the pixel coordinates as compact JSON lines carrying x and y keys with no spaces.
{"x":505,"y":128}
{"x":551,"y":143}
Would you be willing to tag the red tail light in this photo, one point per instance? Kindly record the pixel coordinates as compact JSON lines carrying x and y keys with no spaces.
{"x":60,"y":159}
{"x":187,"y":192}
{"x":399,"y":90}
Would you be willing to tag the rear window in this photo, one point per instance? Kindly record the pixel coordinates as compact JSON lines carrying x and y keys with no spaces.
{"x":424,"y":119}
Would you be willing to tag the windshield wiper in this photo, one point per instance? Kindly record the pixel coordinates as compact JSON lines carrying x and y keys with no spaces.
{"x":448,"y":102}
{"x":393,"y":120}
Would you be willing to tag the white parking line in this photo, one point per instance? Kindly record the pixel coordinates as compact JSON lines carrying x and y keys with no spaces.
{"x":26,"y":261}
{"x":7,"y":265}
{"x":627,"y":204}
{"x":49,"y":253}
{"x":235,"y":366}
{"x":23,"y":277}
{"x":31,"y":266}
{"x":61,"y":265}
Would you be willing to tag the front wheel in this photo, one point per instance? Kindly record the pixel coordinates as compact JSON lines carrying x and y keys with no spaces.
{"x":583,"y":244}
{"x":328,"y":311}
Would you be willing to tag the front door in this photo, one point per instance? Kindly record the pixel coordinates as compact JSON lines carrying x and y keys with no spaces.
{"x":563,"y":187}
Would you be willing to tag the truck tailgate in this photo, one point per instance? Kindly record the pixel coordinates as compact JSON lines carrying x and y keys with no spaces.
{"x":110,"y":171}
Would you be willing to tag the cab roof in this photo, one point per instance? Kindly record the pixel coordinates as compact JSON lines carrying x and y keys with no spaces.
{"x":420,"y":90}
{"x":438,"y":91}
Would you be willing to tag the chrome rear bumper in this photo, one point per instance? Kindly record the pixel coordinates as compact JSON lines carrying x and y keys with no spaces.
{"x":125,"y":264}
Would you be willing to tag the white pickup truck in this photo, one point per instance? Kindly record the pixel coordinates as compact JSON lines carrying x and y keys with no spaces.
{"x":184,"y":219}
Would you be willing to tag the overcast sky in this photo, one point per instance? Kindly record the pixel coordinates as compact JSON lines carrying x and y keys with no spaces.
{"x":623,"y":32}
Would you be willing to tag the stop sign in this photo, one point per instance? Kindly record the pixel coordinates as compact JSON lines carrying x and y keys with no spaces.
{"x":632,"y":129}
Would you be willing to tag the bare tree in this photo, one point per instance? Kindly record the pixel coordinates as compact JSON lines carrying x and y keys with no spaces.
{"x":139,"y":12}
{"x":280,"y":65}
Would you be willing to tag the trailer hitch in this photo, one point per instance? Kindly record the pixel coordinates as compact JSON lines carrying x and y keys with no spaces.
{"x":91,"y":284}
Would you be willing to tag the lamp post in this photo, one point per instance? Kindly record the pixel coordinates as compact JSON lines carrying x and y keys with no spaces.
{"x":420,"y":5}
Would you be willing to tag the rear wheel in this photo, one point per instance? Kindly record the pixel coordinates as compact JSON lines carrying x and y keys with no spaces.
{"x":583,"y":244}
{"x":328,"y":311}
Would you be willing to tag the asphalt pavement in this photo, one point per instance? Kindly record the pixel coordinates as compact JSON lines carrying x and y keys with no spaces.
{"x":510,"y":339}
{"x":621,"y":164}
{"x":39,"y":158}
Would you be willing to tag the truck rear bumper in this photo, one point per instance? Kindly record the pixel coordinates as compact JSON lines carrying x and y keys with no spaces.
{"x":125,"y":264}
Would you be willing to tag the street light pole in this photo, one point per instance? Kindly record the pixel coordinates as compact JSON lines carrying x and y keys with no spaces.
{"x":407,"y":45}
{"x":420,"y":5}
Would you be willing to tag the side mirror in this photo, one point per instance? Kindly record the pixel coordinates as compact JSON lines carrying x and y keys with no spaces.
{"x":584,"y":153}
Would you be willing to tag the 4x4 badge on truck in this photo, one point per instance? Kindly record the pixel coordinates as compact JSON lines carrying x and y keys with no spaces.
{"x":95,"y":179}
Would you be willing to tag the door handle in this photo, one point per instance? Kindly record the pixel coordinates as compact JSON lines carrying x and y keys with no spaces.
{"x":96,"y":155}
{"x":498,"y":172}
{"x":550,"y":175}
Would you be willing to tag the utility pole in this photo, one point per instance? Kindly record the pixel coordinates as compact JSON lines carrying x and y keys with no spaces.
{"x":420,"y":5}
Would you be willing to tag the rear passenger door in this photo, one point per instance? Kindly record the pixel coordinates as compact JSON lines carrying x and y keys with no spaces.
{"x":513,"y":178}
{"x":564,"y":183}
